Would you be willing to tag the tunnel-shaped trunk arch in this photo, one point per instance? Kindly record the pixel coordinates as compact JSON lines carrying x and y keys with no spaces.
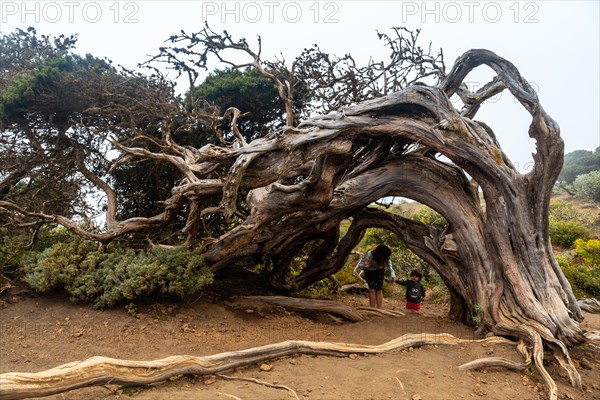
{"x":498,"y":260}
{"x":301,"y":182}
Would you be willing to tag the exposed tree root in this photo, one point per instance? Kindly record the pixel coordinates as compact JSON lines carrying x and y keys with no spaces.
{"x":592,"y":335}
{"x":351,"y":314}
{"x":102,"y":370}
{"x":312,"y":305}
{"x":230,"y":396}
{"x":502,"y":362}
{"x":589,"y":305}
{"x":535,"y":336}
{"x":264,"y":383}
{"x":379,"y":311}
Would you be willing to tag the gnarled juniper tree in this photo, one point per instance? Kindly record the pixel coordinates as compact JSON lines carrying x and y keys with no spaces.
{"x":296,"y":185}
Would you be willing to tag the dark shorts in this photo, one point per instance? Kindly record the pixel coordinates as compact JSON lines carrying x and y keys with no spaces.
{"x":413,"y":306}
{"x":375,"y":278}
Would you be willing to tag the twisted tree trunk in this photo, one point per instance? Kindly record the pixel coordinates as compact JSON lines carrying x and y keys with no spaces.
{"x":302,"y":182}
{"x":498,"y":261}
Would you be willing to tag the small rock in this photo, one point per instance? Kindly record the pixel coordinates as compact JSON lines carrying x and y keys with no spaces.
{"x":353,"y":356}
{"x":266,"y":367}
{"x":479,"y":391}
{"x":417,"y":397}
{"x":209,"y":380}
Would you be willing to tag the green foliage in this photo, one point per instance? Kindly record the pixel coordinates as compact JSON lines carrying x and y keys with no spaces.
{"x":31,"y":83}
{"x":117,"y":275}
{"x":579,"y":162}
{"x":478,"y":317}
{"x":345,"y":275}
{"x":429,"y":217}
{"x":589,"y":251}
{"x":584,"y":279}
{"x":563,"y":211}
{"x":131,"y":390}
{"x":582,"y":267}
{"x":588,"y":185}
{"x":13,"y":248}
{"x":437,"y":292}
{"x":565,"y":233}
{"x":568,"y":224}
{"x":26,"y":86}
{"x":247,"y":91}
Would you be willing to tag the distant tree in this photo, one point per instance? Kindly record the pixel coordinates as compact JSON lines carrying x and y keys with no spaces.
{"x":61,"y":114}
{"x":577,"y":163}
{"x":251,"y":93}
{"x":588,"y":185}
{"x":40,"y":97}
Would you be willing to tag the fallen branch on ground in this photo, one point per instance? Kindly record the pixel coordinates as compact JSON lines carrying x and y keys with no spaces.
{"x":97,"y":371}
{"x":312,"y":305}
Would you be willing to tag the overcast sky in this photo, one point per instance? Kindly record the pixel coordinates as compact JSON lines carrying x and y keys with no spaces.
{"x":555,"y":44}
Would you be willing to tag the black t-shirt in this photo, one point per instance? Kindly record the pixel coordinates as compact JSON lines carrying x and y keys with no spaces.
{"x":414,"y":290}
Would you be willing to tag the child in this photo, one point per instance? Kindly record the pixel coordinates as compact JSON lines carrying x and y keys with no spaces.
{"x":415,"y":292}
{"x":375,"y":263}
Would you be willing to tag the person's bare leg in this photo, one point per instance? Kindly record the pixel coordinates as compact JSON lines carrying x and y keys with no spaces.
{"x":379,"y":298}
{"x":372,"y":298}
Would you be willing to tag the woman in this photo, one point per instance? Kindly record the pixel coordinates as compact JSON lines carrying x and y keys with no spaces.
{"x":375,"y":263}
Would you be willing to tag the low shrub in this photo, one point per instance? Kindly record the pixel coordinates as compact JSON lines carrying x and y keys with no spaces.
{"x":584,"y":278}
{"x":107,"y":278}
{"x":589,"y":251}
{"x":564,"y":233}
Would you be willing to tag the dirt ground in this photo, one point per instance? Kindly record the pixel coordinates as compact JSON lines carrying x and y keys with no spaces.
{"x":37,"y":333}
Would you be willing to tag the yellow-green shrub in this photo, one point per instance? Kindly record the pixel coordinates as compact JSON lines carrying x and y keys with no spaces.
{"x":584,"y":279}
{"x":589,"y":251}
{"x":564,"y":233}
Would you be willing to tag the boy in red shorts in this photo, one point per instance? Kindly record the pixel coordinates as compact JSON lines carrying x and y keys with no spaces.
{"x":415,"y":292}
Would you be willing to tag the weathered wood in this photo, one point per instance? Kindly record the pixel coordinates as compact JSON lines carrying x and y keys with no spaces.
{"x":590,"y":305}
{"x":354,"y":287}
{"x":312,"y":305}
{"x":102,"y":370}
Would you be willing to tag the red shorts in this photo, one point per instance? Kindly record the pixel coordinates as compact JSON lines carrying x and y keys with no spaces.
{"x":413,"y":306}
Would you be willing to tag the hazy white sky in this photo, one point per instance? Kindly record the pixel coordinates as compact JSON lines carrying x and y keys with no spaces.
{"x":555,"y":44}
